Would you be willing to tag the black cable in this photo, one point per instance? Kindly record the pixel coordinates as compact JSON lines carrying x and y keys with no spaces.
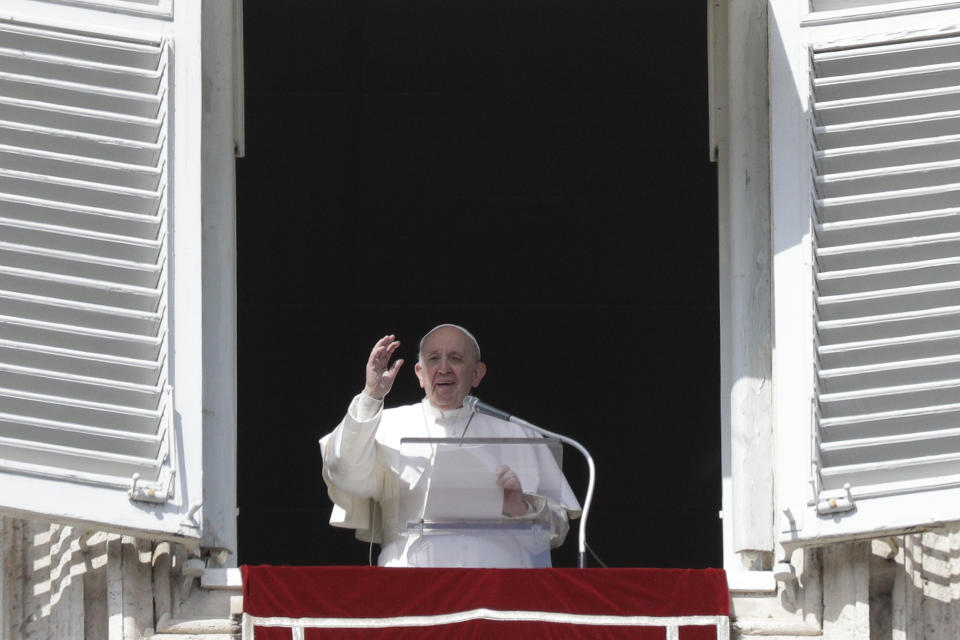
{"x":595,"y":556}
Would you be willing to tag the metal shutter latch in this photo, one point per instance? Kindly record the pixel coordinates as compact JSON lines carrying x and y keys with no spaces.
{"x":836,"y":501}
{"x":157,"y":492}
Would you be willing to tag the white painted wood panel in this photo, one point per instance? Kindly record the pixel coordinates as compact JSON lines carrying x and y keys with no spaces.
{"x":99,"y":120}
{"x":867,"y":313}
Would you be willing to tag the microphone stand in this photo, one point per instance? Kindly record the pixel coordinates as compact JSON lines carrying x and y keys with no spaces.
{"x":475,"y":405}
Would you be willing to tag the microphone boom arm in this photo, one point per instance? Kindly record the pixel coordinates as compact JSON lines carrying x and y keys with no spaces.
{"x":480,"y":407}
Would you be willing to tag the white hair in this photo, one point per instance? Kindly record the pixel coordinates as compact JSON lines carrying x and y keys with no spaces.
{"x":473,"y":341}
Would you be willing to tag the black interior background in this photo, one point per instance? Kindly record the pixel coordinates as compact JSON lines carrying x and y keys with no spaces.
{"x":536,"y":171}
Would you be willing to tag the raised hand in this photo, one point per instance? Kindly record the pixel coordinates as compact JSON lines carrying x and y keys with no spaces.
{"x":513,"y":503}
{"x":380,"y":374}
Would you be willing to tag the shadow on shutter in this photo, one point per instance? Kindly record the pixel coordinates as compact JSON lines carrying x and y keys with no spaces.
{"x":887,"y":243}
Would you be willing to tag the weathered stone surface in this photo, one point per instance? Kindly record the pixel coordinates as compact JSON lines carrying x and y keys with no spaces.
{"x":58,"y":582}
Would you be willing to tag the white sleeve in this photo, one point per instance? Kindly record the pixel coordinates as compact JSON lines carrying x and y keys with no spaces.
{"x":350,"y":467}
{"x":547,"y":510}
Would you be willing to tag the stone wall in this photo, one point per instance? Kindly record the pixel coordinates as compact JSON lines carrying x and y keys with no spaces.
{"x":60,"y":582}
{"x":896,"y":588}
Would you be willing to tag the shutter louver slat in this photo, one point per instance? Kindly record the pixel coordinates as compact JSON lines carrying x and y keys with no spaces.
{"x":81,"y":363}
{"x":888,"y":156}
{"x":883,"y":107}
{"x":97,"y":292}
{"x":35,"y":210}
{"x":79,"y":144}
{"x":157,"y":8}
{"x":122,"y":272}
{"x":887,"y":256}
{"x":874,"y":85}
{"x":872,"y":181}
{"x":906,"y":275}
{"x":83,"y":341}
{"x":887,"y":203}
{"x":80,"y":387}
{"x":65,"y":433}
{"x":58,"y":408}
{"x":72,"y":191}
{"x":83,"y":121}
{"x":920,"y":224}
{"x":846,"y":5}
{"x":84,"y":169}
{"x":36,"y":452}
{"x":891,"y":130}
{"x":93,"y":48}
{"x":80,"y":97}
{"x":889,"y":349}
{"x":94,"y":73}
{"x":84,"y":315}
{"x":884,"y":57}
{"x":873,"y":477}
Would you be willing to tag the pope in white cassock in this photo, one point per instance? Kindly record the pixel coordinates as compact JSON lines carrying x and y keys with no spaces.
{"x":383,"y":490}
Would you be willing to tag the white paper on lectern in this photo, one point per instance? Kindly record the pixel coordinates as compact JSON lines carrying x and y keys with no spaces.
{"x":463,"y":485}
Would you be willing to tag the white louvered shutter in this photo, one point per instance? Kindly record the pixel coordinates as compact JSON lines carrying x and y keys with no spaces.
{"x":888,"y":265}
{"x":88,"y":427}
{"x":883,"y":257}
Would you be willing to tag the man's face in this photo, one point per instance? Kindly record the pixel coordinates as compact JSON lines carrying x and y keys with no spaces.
{"x":448,"y":368}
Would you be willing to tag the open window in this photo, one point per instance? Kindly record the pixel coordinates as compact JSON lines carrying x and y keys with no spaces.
{"x":100,"y":301}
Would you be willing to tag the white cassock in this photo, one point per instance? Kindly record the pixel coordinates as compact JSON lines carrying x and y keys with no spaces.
{"x":379,"y":492}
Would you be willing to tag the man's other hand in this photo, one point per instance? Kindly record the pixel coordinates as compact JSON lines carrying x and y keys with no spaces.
{"x":513,"y":503}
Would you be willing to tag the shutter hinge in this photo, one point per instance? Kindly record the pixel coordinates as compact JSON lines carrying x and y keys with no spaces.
{"x":157,"y":492}
{"x":190,"y":520}
{"x":836,"y":501}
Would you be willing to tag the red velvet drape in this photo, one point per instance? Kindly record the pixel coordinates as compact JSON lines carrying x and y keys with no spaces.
{"x":371,"y":593}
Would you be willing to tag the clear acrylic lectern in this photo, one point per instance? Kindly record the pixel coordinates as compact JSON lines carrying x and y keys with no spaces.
{"x":450,"y":509}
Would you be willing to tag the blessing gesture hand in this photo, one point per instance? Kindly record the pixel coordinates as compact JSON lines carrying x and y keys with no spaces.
{"x":380,"y":374}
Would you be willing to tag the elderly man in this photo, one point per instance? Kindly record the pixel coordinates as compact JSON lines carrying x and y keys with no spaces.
{"x":365,"y":472}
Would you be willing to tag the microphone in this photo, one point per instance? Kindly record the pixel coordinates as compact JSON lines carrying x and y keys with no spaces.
{"x":476,"y":406}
